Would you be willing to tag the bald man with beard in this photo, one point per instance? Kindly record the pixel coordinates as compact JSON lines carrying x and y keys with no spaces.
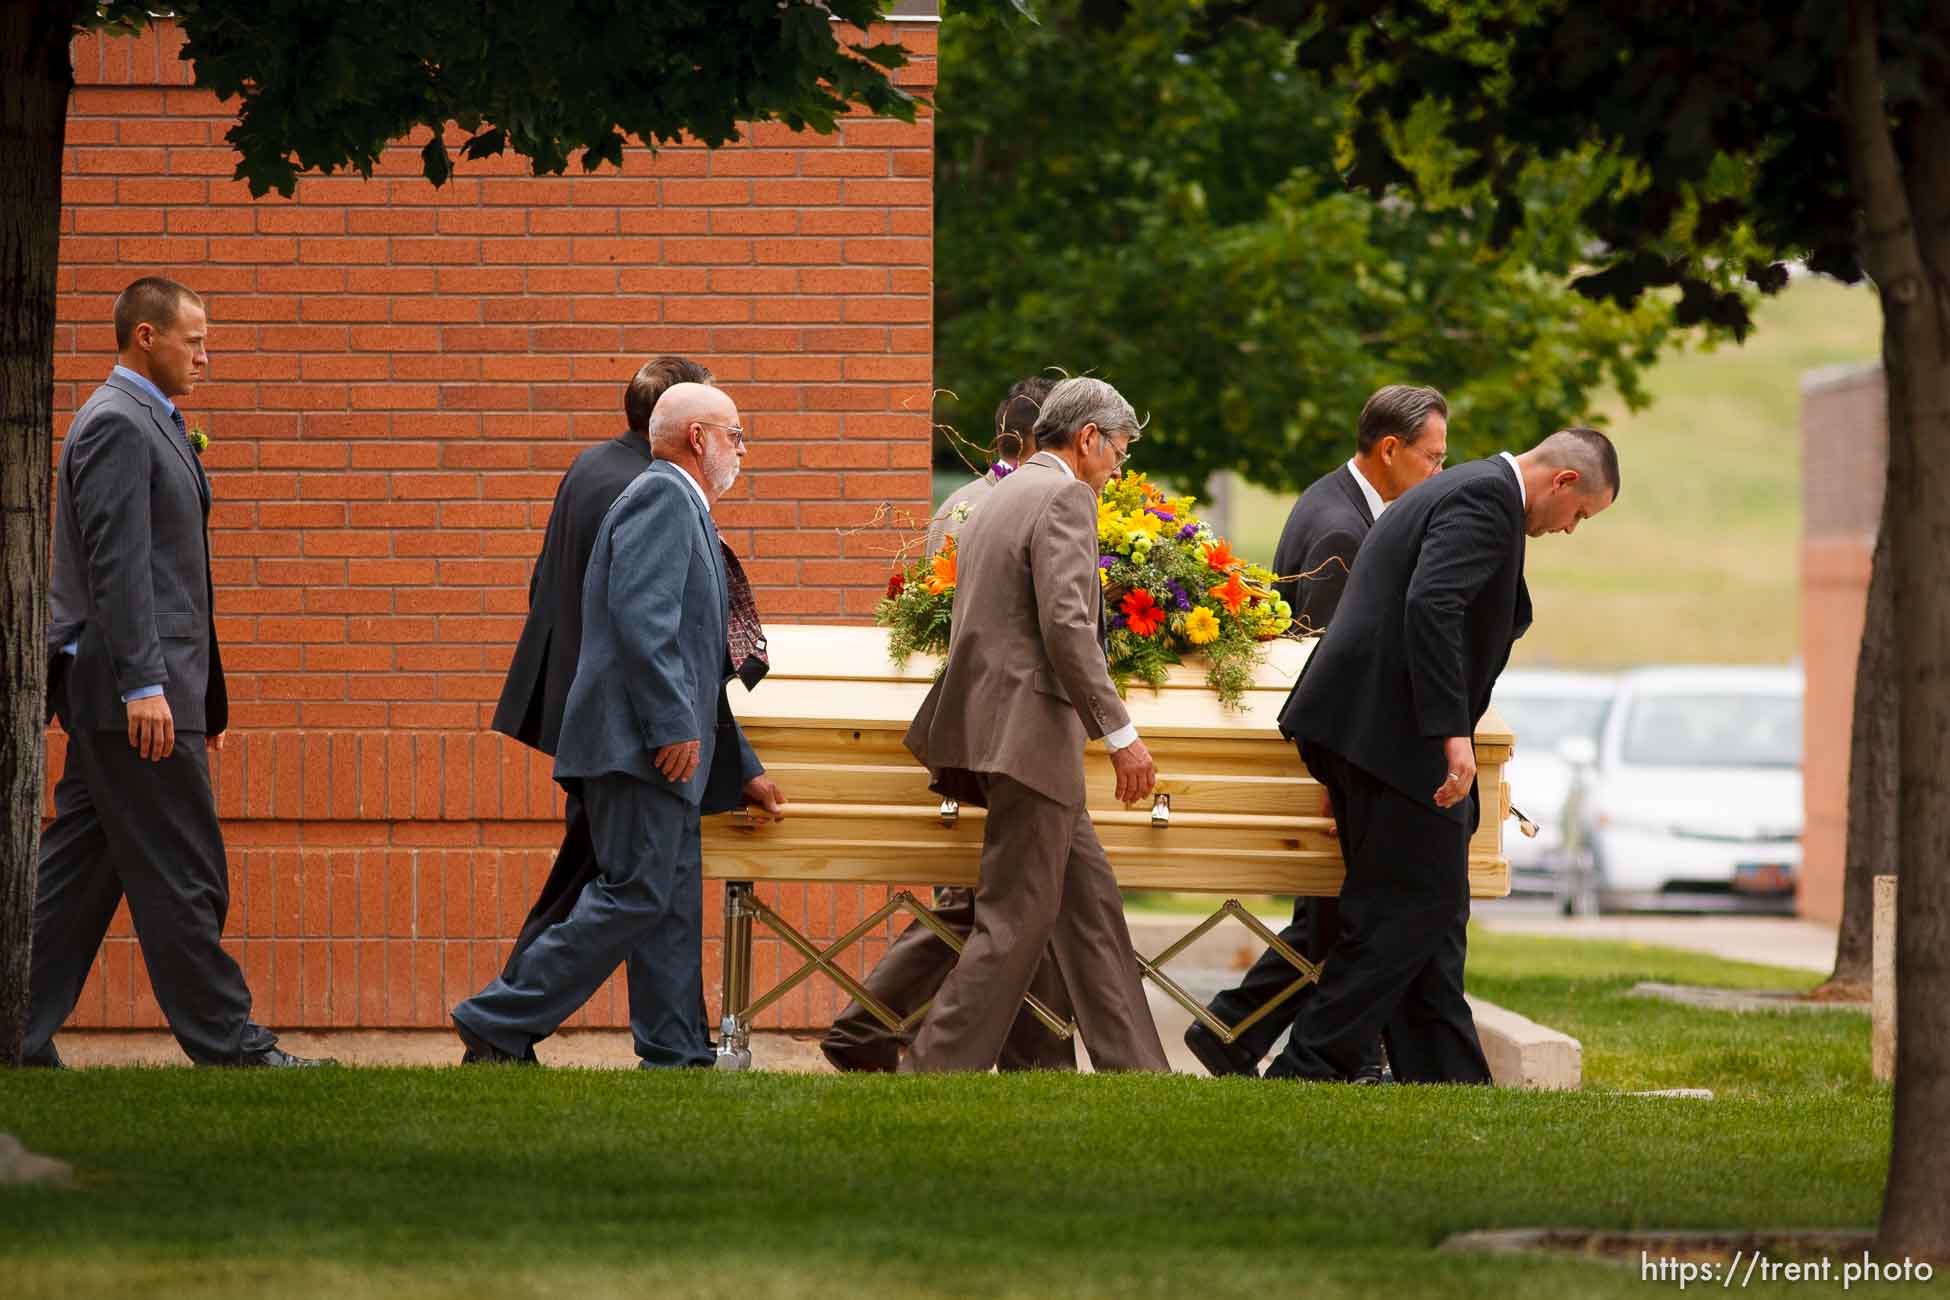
{"x":647,"y":732}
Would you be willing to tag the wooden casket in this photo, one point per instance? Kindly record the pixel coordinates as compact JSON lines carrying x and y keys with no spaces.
{"x":1235,"y":810}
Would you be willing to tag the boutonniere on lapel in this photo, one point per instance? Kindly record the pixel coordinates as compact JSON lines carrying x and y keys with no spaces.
{"x":198,"y":439}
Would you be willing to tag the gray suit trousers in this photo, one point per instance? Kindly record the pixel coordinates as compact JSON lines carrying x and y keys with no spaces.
{"x":1045,"y":883}
{"x":646,"y":898}
{"x":126,"y":826}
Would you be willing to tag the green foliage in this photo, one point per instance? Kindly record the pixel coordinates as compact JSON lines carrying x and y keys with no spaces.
{"x":1726,"y":121}
{"x":1163,"y":206}
{"x":319,"y":87}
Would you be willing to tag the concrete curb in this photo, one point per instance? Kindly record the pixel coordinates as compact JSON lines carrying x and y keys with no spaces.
{"x":1525,"y":1054}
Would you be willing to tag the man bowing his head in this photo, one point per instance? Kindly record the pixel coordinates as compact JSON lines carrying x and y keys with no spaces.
{"x":1004,"y":728}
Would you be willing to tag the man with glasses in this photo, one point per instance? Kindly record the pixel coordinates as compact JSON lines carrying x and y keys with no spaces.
{"x":912,"y":970}
{"x":648,"y":739}
{"x":1402,"y":439}
{"x":1004,"y":728}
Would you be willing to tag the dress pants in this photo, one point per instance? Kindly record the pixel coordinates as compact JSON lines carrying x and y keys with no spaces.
{"x":646,"y":898}
{"x":1315,"y":928}
{"x":1398,"y":967}
{"x":911,"y":972}
{"x":124,"y":825}
{"x":575,"y":866}
{"x":1045,"y":885}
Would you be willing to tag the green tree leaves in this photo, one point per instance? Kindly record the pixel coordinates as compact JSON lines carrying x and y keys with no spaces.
{"x":1161,"y":201}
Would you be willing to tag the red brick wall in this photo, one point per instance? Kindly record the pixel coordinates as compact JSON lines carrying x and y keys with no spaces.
{"x":398,"y":377}
{"x":1844,"y":440}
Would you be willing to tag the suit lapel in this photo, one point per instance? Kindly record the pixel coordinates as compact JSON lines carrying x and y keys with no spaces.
{"x":166,"y":427}
{"x":1352,"y":491}
{"x":709,"y":528}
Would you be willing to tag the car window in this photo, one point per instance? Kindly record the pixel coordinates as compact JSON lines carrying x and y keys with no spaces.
{"x":1727,"y":730}
{"x":1542,"y":722}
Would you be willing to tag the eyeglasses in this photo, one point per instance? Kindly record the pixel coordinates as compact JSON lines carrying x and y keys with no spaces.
{"x":1437,"y":461}
{"x":1123,"y":452}
{"x":737,"y":431}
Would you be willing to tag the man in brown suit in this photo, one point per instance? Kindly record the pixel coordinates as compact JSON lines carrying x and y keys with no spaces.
{"x":919,"y":960}
{"x":1004,"y":728}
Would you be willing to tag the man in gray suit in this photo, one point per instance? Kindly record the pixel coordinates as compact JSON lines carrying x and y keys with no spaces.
{"x":1004,"y":728}
{"x":647,"y":732}
{"x":135,"y":676}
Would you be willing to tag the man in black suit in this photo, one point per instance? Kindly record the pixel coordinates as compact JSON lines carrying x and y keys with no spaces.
{"x":544,"y":662}
{"x":1385,"y":715}
{"x":1402,"y":439}
{"x":135,"y":675}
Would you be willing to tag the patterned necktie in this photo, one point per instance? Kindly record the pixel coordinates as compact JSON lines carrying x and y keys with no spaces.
{"x":744,"y":634}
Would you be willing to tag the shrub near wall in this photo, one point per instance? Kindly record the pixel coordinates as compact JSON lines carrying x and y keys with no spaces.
{"x":399,"y":375}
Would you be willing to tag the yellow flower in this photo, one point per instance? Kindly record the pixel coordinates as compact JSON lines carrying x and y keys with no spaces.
{"x":1143,"y":521}
{"x":1201,"y":626}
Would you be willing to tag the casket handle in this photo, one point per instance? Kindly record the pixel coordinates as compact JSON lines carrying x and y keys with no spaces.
{"x":1161,"y":810}
{"x":950,"y":812}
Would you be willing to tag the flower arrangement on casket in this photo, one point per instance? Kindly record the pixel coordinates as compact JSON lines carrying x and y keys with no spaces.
{"x":1172,"y":589}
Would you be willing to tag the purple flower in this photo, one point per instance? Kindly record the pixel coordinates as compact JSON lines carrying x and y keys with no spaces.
{"x":1188,"y":532}
{"x":1117,"y":622}
{"x":1161,"y":512}
{"x":1178,"y":596}
{"x":1001,"y":469}
{"x":1105,"y":561}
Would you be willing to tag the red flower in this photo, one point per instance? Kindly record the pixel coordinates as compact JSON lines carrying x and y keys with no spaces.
{"x":1219,"y":555}
{"x":896,"y":585}
{"x":1141,"y":613}
{"x":1231,"y":593}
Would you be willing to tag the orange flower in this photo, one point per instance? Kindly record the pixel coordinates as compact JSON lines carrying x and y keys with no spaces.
{"x":1141,"y":613}
{"x":941,"y":571}
{"x":1219,"y":555}
{"x":1231,"y":593}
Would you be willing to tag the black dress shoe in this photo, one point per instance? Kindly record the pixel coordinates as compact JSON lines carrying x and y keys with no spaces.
{"x":273,"y":1058}
{"x":847,"y":1062}
{"x":479,"y":1051}
{"x":48,"y":1060}
{"x":1218,"y":1056}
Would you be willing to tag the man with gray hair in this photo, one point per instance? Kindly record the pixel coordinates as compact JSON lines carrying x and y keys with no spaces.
{"x":1004,"y":728}
{"x":648,"y":735}
{"x":1385,"y":714}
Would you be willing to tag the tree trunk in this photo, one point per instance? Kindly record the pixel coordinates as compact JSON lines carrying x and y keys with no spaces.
{"x":1916,"y":1204}
{"x":35,"y":77}
{"x":1872,"y":759}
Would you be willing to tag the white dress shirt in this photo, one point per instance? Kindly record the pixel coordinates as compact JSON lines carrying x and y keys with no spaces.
{"x":1375,"y":504}
{"x":1523,"y":497}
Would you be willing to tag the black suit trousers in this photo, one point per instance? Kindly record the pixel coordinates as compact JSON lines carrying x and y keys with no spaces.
{"x":126,"y":826}
{"x":1398,"y":967}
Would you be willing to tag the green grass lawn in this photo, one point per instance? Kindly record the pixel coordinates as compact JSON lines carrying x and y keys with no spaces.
{"x":1700,"y":560}
{"x":528,"y":1183}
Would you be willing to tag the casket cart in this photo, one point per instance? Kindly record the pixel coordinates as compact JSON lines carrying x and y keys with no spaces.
{"x":1235,"y":812}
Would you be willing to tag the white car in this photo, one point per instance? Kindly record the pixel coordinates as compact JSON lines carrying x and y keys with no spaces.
{"x":1691,"y":799}
{"x":1545,"y":709}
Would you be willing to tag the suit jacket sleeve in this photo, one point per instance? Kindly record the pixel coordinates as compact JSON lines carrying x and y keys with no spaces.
{"x":109,"y":479}
{"x":1468,"y":539}
{"x":650,"y":550}
{"x":1328,"y":559}
{"x":1063,"y":567}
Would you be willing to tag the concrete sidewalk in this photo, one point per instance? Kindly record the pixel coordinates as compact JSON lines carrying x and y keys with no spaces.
{"x":1768,"y":940}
